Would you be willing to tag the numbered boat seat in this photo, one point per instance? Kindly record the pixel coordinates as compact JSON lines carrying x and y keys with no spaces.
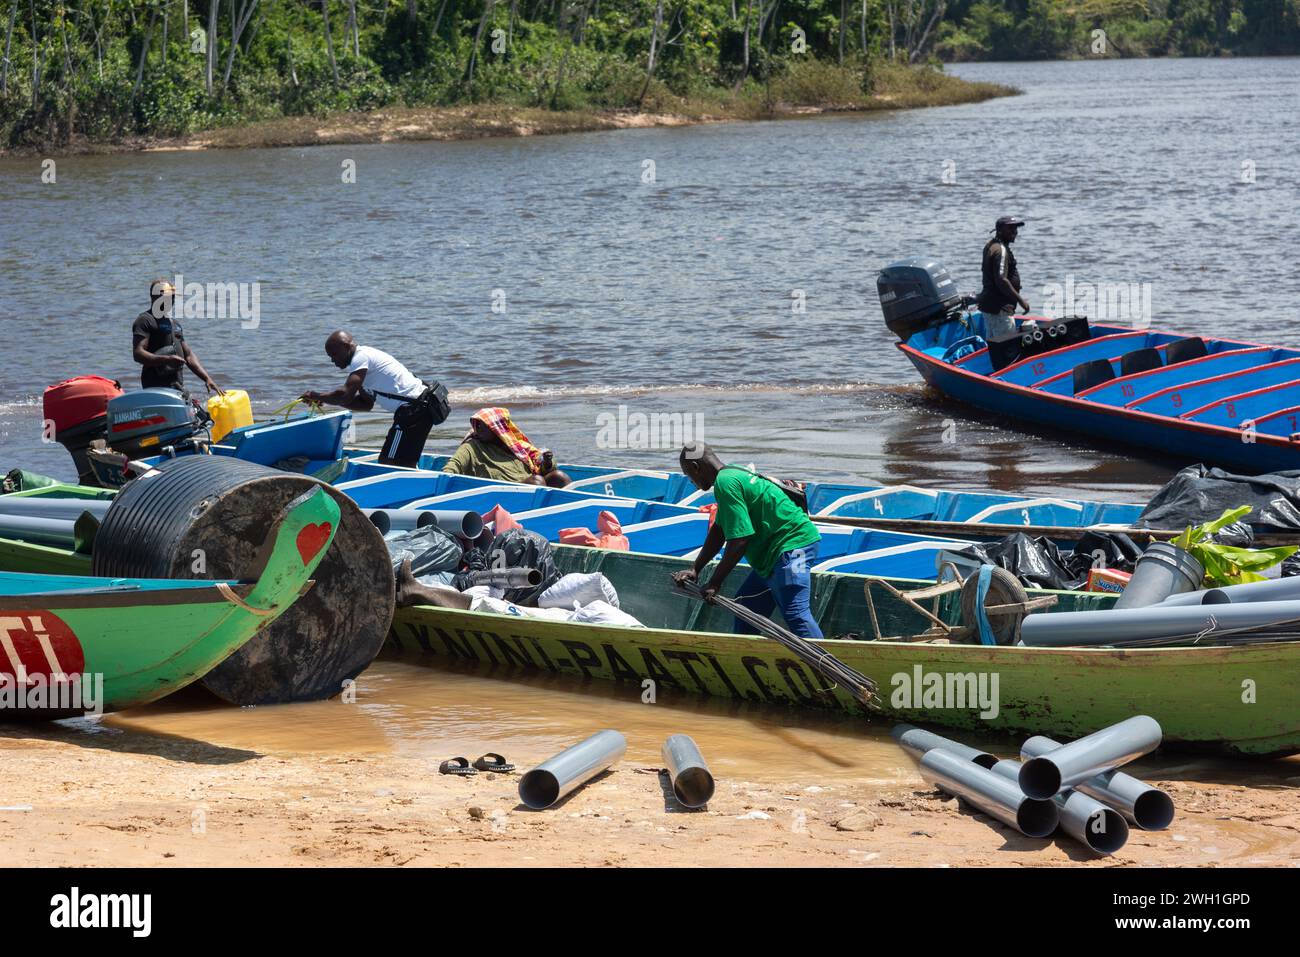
{"x":1091,"y":373}
{"x":1139,"y":360}
{"x":1181,"y":350}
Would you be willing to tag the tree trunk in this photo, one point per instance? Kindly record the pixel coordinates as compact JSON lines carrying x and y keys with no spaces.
{"x":352,"y":25}
{"x":438,"y":19}
{"x":288,"y":42}
{"x":238,"y":21}
{"x":843,"y":16}
{"x":144,"y":53}
{"x":9,"y":36}
{"x":478,"y":37}
{"x":864,"y":27}
{"x":36,"y":60}
{"x":744,"y":70}
{"x":892,"y":52}
{"x":329,"y":41}
{"x":934,"y":18}
{"x":164,"y":40}
{"x":654,"y":47}
{"x":510,"y":30}
{"x":214,"y":6}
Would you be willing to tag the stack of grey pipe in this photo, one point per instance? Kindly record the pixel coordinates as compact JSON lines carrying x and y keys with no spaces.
{"x":1262,"y":605}
{"x":551,"y":780}
{"x":1076,"y":786}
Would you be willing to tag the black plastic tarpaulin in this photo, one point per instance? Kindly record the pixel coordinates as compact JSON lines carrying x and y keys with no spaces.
{"x":1198,"y":494}
{"x":516,"y":548}
{"x":1040,"y":563}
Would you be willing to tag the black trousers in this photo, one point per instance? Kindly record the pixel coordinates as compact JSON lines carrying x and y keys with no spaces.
{"x":405,"y":440}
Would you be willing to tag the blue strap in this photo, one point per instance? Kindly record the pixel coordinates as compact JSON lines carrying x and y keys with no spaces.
{"x":981,"y":619}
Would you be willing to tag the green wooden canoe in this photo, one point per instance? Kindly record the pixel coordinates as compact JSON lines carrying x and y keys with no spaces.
{"x":1243,"y":700}
{"x":74,"y":643}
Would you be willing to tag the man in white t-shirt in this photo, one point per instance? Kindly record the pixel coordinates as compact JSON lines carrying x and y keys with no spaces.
{"x":376,"y":378}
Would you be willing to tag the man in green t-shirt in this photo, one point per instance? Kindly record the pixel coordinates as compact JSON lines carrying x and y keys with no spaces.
{"x":758,"y":522}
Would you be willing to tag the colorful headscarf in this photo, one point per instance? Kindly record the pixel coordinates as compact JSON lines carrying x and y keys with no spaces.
{"x":498,"y":421}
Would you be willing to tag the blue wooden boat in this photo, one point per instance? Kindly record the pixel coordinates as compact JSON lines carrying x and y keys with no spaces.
{"x":825,"y":499}
{"x":1232,"y":404}
{"x":652,"y":527}
{"x":1220,"y":401}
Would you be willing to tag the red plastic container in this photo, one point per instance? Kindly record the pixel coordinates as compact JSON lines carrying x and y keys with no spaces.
{"x":79,"y":400}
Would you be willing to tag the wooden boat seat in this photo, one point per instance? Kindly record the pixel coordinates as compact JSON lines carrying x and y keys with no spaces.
{"x":1092,"y":373}
{"x":1139,"y":360}
{"x":1181,"y":350}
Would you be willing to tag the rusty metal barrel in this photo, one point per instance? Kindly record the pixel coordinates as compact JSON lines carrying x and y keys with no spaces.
{"x":208,"y":516}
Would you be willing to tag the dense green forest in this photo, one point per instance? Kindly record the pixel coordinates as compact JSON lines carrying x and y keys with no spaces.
{"x":101,"y":70}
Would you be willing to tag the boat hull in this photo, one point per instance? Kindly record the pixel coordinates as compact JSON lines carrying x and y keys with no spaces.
{"x":1195,"y":693}
{"x":1180,"y":439}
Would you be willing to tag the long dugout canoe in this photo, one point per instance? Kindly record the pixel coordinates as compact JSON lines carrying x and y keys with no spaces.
{"x":1197,"y":694}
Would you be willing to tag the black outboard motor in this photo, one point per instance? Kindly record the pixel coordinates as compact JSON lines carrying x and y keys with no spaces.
{"x":916,"y":294}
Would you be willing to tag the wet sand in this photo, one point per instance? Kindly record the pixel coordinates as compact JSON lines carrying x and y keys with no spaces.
{"x":192,"y":782}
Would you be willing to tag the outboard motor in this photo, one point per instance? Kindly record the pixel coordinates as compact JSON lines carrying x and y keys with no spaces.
{"x":144,"y":424}
{"x":916,"y":294}
{"x":77,"y":409}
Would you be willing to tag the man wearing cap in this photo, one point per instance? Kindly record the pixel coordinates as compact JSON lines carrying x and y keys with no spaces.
{"x":376,"y":378}
{"x":1001,"y":292}
{"x":158,"y":344}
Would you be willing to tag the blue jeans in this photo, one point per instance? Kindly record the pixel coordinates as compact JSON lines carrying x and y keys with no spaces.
{"x":789,"y":588}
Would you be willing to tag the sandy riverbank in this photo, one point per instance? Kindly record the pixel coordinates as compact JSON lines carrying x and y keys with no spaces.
{"x":175,"y":803}
{"x":900,"y":89}
{"x":191,"y":783}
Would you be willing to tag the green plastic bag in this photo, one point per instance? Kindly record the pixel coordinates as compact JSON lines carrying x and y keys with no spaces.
{"x":1227,"y":564}
{"x":20,"y":481}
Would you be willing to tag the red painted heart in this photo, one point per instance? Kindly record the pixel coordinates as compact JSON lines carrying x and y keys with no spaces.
{"x":311,"y":539}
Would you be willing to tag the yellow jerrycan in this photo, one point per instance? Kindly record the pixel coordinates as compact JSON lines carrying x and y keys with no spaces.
{"x":229,"y":411}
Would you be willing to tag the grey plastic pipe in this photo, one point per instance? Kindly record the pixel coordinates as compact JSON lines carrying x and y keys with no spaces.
{"x":991,"y":793}
{"x":570,"y":769}
{"x":917,"y":741}
{"x":465,"y":524}
{"x":507,"y":577}
{"x":1091,"y":823}
{"x":48,"y":506}
{"x":1278,"y":589}
{"x":1045,"y":775}
{"x":691,"y":780}
{"x":1147,"y":807}
{"x":1074,"y":628}
{"x":59,"y":532}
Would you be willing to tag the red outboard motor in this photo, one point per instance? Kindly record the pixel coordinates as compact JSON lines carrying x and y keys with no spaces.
{"x":78,"y":409}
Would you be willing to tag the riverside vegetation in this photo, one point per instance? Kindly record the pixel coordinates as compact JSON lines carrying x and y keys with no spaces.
{"x":85,"y":73}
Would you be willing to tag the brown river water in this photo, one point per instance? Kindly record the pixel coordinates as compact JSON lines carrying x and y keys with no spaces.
{"x":409,"y":708}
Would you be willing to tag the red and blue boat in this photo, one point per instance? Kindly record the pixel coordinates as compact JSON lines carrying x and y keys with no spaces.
{"x":1220,"y":401}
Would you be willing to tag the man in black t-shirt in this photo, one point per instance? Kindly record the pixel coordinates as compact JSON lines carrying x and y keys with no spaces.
{"x":1001,"y":291}
{"x":158,"y":344}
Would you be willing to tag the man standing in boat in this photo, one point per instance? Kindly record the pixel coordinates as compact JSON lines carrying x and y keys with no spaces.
{"x":1001,"y":291}
{"x":375,"y":377}
{"x":158,"y":344}
{"x":757,"y":520}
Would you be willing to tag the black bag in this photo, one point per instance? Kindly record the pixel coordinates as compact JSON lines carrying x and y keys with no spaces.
{"x":516,"y":548}
{"x":431,"y":402}
{"x":435,"y":397}
{"x":794,"y":491}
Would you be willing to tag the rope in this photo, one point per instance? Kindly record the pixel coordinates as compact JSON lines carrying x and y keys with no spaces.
{"x":862,"y":688}
{"x":981,"y":616}
{"x":313,"y":408}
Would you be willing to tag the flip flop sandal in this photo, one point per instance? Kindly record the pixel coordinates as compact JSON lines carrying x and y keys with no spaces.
{"x":497,"y":764}
{"x":456,"y":766}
